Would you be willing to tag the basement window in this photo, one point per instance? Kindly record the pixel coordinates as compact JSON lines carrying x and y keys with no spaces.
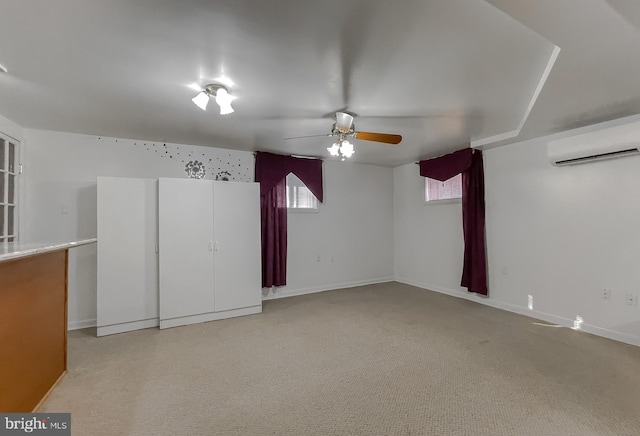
{"x":299,"y":197}
{"x":449,"y":191}
{"x":9,"y":169}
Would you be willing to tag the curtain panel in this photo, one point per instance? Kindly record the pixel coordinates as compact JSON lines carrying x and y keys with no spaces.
{"x":273,"y":226}
{"x":272,"y":168}
{"x":469,"y":163}
{"x":444,"y":167}
{"x":271,"y":171}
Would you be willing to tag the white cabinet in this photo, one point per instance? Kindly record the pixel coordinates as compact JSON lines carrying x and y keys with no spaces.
{"x":127,"y":260}
{"x":236,"y":222}
{"x":186,"y":248}
{"x":209,"y":250}
{"x":208,"y":266}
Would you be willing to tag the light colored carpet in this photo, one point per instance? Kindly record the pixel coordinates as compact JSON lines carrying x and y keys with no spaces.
{"x":386,"y":359}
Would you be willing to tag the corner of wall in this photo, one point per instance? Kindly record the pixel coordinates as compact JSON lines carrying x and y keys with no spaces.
{"x":11,"y":128}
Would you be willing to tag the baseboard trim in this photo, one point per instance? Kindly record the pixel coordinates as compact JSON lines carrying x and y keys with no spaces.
{"x":543,"y":316}
{"x":611,"y":334}
{"x":53,"y":386}
{"x":127,"y":326}
{"x":83,"y":324}
{"x":303,"y":291}
{"x":205,"y":317}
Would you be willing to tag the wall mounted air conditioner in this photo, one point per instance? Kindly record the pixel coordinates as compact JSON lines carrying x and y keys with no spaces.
{"x":606,"y":143}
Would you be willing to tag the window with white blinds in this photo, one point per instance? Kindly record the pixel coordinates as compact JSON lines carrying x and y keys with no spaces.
{"x":9,"y":170}
{"x":299,"y":197}
{"x":451,"y":189}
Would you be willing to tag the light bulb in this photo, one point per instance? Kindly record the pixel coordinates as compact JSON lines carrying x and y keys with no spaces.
{"x":226,"y":109}
{"x":334,"y":149}
{"x":201,"y":100}
{"x":346,"y":149}
{"x":224,"y":101}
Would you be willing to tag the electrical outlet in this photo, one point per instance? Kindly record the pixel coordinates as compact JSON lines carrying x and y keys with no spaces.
{"x":631,"y":299}
{"x":606,"y":294}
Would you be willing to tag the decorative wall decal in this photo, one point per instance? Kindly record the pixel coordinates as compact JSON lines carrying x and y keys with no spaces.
{"x":223,"y":175}
{"x":195,"y":169}
{"x":169,"y":160}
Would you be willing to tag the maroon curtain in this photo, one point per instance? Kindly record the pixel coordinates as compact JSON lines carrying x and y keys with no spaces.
{"x":273,"y":220}
{"x":469,"y":163}
{"x":272,"y":168}
{"x":271,"y":172}
{"x":444,"y":167}
{"x":474,"y":273}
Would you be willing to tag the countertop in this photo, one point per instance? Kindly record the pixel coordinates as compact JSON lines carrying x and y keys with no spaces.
{"x":14,"y":250}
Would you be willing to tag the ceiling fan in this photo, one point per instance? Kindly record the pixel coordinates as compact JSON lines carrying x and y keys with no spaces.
{"x":343,"y":128}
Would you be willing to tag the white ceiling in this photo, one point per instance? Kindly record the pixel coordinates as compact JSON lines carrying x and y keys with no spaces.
{"x":441,"y":73}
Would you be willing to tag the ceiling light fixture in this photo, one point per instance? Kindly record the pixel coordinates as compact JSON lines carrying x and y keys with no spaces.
{"x":221,"y":95}
{"x":341,"y":148}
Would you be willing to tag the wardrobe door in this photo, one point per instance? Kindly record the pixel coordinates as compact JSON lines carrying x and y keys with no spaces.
{"x":186,"y":250}
{"x":237,"y":235}
{"x":127,"y":261}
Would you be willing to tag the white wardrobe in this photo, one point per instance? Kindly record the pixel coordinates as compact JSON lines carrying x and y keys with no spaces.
{"x":173,"y":252}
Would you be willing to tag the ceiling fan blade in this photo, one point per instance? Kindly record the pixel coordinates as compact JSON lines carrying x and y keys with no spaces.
{"x":378,"y":137}
{"x":309,"y":136}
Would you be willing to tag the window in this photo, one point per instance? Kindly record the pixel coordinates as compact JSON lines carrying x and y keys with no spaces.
{"x":299,"y":197}
{"x":8,"y":189}
{"x":435,"y":190}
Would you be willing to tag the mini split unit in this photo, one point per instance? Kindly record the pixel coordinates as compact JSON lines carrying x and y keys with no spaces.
{"x":605,"y":143}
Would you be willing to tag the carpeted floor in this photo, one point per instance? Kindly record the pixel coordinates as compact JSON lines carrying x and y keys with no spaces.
{"x":386,"y":359}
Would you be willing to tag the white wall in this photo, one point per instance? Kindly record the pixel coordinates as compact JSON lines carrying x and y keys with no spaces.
{"x":58,"y":200}
{"x":562,"y":234}
{"x":10,"y":128}
{"x":558,"y":234}
{"x":352,"y":233}
{"x":428,"y":237}
{"x":355,"y":224}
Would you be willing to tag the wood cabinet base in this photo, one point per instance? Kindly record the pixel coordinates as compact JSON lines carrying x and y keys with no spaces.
{"x":33,"y":328}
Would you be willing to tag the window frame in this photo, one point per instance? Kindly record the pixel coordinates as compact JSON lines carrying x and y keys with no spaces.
{"x":297,"y":186}
{"x":452,"y":200}
{"x":5,"y":175}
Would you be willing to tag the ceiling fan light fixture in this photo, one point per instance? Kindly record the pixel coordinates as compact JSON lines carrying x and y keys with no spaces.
{"x":344,"y":121}
{"x":343,"y":128}
{"x":342,"y":148}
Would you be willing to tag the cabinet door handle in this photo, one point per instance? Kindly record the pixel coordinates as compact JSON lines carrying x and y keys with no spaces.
{"x":210,"y":245}
{"x":215,"y":245}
